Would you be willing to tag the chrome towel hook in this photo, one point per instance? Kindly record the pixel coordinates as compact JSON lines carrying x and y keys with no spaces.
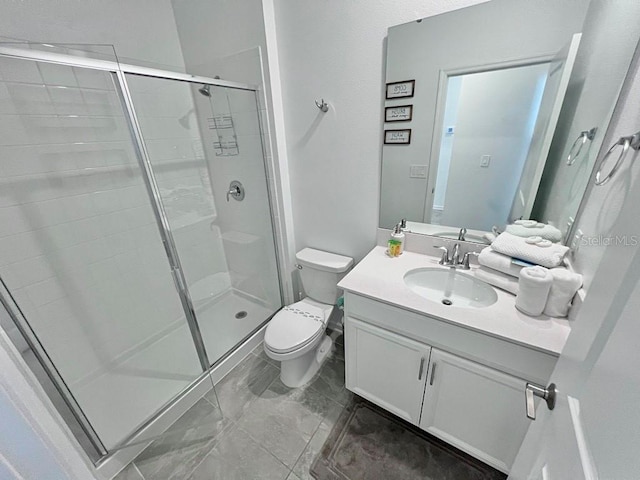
{"x":631,"y":141}
{"x":580,"y":141}
{"x":322,"y":105}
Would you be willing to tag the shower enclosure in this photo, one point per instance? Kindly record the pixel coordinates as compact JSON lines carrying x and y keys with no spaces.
{"x":136,"y":238}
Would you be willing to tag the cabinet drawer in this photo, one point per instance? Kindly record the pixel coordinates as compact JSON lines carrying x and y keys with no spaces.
{"x":385,"y":368}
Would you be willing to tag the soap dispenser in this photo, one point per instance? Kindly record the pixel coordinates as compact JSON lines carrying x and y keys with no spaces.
{"x":396,"y":242}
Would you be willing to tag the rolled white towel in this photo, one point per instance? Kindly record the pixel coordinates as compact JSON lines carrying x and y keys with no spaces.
{"x":492,"y":259}
{"x":497,"y":279}
{"x":535,"y":283}
{"x":564,"y":287}
{"x":546,"y":255}
{"x":545,"y":231}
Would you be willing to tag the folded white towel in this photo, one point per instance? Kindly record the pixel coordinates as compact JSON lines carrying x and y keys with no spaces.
{"x":492,"y":259}
{"x":548,"y":256}
{"x":497,"y":279}
{"x":535,"y":283}
{"x":564,"y":287}
{"x":547,"y":232}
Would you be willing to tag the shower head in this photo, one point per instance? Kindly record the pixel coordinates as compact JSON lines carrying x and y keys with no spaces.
{"x":205,"y":90}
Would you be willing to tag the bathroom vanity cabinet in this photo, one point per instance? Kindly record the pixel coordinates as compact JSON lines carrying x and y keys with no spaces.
{"x":461,"y":385}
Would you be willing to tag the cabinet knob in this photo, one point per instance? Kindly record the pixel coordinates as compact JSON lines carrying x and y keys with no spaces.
{"x":547,"y":394}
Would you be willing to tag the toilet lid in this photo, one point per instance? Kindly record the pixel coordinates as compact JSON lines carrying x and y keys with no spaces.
{"x":292,"y":328}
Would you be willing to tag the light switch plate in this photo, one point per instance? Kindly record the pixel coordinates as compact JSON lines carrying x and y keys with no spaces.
{"x":485,"y":160}
{"x":417,"y":171}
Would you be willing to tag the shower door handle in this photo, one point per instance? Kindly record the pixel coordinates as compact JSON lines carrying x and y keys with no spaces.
{"x":236,"y":190}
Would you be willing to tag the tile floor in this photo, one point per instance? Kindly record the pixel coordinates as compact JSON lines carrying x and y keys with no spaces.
{"x":254,"y":428}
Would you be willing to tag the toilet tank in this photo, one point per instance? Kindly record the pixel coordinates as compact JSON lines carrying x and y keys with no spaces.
{"x":320,"y":273}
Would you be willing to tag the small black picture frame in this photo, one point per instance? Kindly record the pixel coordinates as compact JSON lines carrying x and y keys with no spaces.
{"x":398,"y":113}
{"x":403,"y":89}
{"x":397,"y":137}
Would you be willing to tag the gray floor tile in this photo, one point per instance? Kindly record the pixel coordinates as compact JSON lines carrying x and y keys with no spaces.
{"x":246,"y":382}
{"x":184,"y":445}
{"x":303,"y":465}
{"x":293,"y":476}
{"x":330,"y":380}
{"x":283,"y":420}
{"x":237,"y":456}
{"x":259,"y":352}
{"x":129,"y":473}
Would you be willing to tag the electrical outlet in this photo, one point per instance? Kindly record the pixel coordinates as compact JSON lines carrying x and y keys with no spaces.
{"x":485,"y":160}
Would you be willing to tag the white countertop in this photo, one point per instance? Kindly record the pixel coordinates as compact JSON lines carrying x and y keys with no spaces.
{"x":380,"y":277}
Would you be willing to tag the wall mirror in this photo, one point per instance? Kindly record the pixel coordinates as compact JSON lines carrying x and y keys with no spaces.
{"x":510,"y":103}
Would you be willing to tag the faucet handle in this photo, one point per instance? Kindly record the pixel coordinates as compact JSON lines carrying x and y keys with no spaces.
{"x":465,"y":259}
{"x":444,"y":260}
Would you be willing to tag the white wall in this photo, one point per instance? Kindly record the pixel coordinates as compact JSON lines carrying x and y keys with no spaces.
{"x":498,"y":31}
{"x":142,"y":30}
{"x":335,"y":50}
{"x":610,"y":36}
{"x":496,"y":117}
{"x":602,"y":203}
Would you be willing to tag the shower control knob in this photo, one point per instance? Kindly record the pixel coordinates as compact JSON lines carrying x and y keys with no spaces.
{"x":236,"y":190}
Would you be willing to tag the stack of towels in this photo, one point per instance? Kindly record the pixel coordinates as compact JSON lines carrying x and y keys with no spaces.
{"x":525,"y":261}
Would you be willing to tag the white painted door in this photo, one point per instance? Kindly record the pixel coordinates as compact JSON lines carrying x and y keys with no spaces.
{"x":560,"y":69}
{"x":475,"y":408}
{"x":594,"y":430}
{"x":385,"y":368}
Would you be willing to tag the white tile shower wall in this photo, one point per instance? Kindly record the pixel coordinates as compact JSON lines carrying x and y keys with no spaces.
{"x":169,"y":123}
{"x":79,"y":247}
{"x":246,"y":226}
{"x":230,"y":39}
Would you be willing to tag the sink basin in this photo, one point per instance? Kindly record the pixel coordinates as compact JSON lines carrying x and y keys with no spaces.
{"x":450,"y":287}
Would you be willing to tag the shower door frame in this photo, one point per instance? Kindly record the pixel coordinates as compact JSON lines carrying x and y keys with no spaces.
{"x":118,"y":72}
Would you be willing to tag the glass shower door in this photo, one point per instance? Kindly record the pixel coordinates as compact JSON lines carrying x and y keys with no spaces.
{"x":203,"y":141}
{"x":81,"y":257}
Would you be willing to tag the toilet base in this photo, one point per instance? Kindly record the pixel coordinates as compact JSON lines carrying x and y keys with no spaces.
{"x":298,"y":371}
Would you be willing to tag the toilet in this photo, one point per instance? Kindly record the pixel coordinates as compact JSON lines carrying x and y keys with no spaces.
{"x":296,"y":335}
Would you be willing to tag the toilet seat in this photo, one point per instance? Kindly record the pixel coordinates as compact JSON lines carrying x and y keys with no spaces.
{"x":294,"y":327}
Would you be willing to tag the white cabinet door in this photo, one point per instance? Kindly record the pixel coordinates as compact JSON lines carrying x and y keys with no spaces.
{"x":385,"y":368}
{"x":475,"y":408}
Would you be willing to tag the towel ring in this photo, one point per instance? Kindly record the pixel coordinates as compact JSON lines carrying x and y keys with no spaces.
{"x":584,"y":136}
{"x":632,"y":141}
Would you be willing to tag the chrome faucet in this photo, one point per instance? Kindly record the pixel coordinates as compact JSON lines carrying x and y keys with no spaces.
{"x":453,"y":261}
{"x":455,"y":255}
{"x":465,"y":260}
{"x":461,"y":234}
